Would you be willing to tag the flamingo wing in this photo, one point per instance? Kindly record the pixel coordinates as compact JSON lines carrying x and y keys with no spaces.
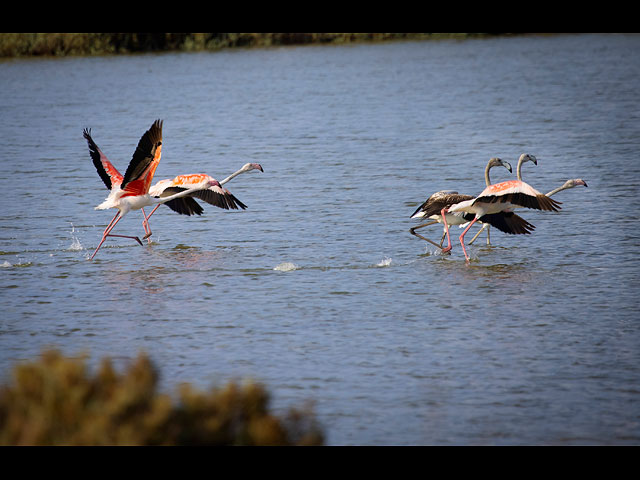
{"x":517,"y":193}
{"x":220,"y":198}
{"x":439,"y":200}
{"x":508,"y":222}
{"x":108,"y":173}
{"x":214,"y":195}
{"x":146,"y":157}
{"x":183,"y":205}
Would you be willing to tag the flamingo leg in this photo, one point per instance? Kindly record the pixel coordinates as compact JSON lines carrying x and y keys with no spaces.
{"x":413,"y":231}
{"x":484,"y":226}
{"x":145,"y":223}
{"x":107,"y":233}
{"x":462,"y":237}
{"x":446,"y":228}
{"x":125,"y":236}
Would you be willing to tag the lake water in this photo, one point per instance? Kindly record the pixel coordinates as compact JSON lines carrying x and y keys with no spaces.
{"x":318,"y":290}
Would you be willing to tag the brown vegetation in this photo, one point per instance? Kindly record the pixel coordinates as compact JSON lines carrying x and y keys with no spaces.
{"x":53,"y":401}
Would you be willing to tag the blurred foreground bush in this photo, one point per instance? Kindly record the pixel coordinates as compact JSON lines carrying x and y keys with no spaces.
{"x":54,"y":402}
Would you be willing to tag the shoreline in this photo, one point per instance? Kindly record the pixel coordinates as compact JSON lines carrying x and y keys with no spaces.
{"x":21,"y":45}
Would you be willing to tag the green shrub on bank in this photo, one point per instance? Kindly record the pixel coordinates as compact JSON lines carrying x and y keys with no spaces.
{"x":62,"y":44}
{"x":53,"y":401}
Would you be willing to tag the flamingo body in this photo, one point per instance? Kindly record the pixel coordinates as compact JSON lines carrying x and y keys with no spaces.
{"x":128,"y":192}
{"x":432,"y":207}
{"x":139,"y":174}
{"x":509,"y":195}
{"x":571,"y":183}
{"x":214,"y":194}
{"x":187,"y":205}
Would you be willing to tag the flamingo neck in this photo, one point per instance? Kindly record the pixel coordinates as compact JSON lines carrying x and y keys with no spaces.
{"x":233,"y":175}
{"x":519,"y":170}
{"x":486,"y":174}
{"x":556,"y":190}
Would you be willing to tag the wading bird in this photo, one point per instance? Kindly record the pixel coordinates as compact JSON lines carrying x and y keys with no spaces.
{"x":501,"y":197}
{"x":141,"y":168}
{"x":213,"y":195}
{"x":568,"y":184}
{"x":433,"y":206}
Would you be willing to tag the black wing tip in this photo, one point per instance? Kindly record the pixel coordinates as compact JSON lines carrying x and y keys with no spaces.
{"x":86,"y":133}
{"x":157,"y":124}
{"x":153,"y":135}
{"x":237,"y":202}
{"x":548,"y":203}
{"x":225,"y":200}
{"x":417,"y":210}
{"x":185,"y":206}
{"x":508,"y":222}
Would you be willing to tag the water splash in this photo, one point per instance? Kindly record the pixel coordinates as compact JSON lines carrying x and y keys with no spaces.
{"x":75,"y":241}
{"x":7,"y":264}
{"x":385,"y":262}
{"x":286,"y":267}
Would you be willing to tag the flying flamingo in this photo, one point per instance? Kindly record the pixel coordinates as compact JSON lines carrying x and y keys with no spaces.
{"x":433,"y":206}
{"x":213,"y":195}
{"x":501,"y":197}
{"x":147,"y":153}
{"x":568,"y":184}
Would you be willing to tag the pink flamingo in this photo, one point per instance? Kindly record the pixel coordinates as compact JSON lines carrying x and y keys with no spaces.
{"x":138,"y":175}
{"x":214,"y":195}
{"x":501,"y":197}
{"x":571,"y":183}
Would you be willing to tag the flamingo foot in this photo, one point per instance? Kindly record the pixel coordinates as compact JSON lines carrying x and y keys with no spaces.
{"x":446,"y":249}
{"x":124,"y":236}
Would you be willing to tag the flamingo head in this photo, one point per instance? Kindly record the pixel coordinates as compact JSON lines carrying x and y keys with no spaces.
{"x":252,"y":166}
{"x":574,"y":183}
{"x":526,"y":157}
{"x":498,"y":162}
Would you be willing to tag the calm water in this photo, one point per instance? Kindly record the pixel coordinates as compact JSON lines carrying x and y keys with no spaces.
{"x":318,"y":290}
